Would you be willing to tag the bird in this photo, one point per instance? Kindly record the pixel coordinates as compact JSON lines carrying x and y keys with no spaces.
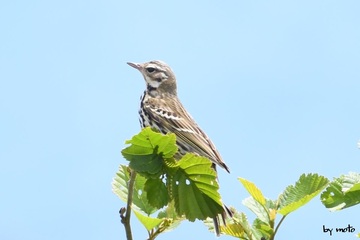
{"x":161,"y":109}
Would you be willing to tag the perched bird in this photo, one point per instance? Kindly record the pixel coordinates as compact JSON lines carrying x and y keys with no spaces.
{"x":160,"y":108}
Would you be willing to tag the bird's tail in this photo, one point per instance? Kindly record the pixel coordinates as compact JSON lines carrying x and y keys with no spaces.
{"x":216,"y":220}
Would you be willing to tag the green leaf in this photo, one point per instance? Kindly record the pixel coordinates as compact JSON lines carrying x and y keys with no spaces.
{"x":167,"y":225}
{"x":157,"y":193}
{"x":120,"y":188}
{"x":194,"y":188}
{"x":146,"y":141}
{"x":119,"y":183}
{"x":253,"y":190}
{"x":354,"y":188}
{"x":147,"y":151}
{"x":165,"y":221}
{"x":190,"y":182}
{"x":257,"y":203}
{"x":148,"y":222}
{"x":351,"y":182}
{"x":342,"y":192}
{"x":234,"y":230}
{"x":306,"y":188}
{"x":148,"y":165}
{"x":170,"y":214}
{"x":262,"y":229}
{"x":260,"y":211}
{"x":238,"y":226}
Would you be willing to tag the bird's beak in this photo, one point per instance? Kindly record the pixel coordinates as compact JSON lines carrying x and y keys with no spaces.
{"x":135,"y":65}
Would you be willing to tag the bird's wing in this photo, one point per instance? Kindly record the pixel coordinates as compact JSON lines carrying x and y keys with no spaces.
{"x":169,"y":113}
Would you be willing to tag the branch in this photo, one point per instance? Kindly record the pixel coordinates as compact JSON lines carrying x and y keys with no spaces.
{"x":277,"y":227}
{"x":126,"y":220}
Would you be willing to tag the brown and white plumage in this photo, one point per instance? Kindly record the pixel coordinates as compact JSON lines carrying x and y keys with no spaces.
{"x":170,"y":114}
{"x":160,"y":108}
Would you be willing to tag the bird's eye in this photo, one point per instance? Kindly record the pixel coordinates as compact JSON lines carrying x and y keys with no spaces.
{"x":150,"y":69}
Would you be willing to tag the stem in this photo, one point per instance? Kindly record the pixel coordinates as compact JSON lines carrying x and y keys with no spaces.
{"x":126,"y":220}
{"x":277,"y":227}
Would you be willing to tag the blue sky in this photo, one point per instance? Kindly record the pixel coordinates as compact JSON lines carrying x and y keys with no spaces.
{"x":275,"y":84}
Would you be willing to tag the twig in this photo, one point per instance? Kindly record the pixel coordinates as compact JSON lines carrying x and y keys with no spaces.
{"x":277,"y":227}
{"x":126,"y":219}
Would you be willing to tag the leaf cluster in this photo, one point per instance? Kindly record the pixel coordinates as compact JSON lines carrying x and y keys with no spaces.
{"x":266,"y":210}
{"x":182,"y":188}
{"x":168,"y":190}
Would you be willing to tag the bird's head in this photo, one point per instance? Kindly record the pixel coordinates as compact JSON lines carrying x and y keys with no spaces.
{"x":158,"y":75}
